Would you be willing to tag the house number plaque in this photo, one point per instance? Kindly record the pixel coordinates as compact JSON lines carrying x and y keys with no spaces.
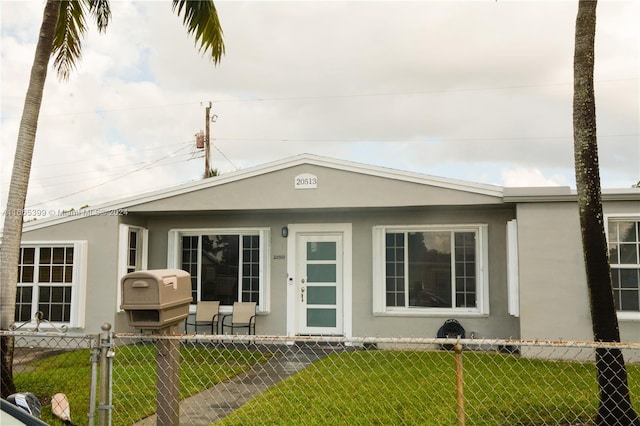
{"x":306,"y":181}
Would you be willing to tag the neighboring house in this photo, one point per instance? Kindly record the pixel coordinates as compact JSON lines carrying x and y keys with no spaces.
{"x":338,"y":248}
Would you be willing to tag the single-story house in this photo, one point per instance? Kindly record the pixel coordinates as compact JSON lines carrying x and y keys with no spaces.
{"x":330,"y":247}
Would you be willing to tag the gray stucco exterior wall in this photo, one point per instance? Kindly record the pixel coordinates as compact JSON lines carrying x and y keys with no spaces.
{"x":553,"y":292}
{"x":554,"y":301}
{"x":101,"y":234}
{"x":497,"y":324}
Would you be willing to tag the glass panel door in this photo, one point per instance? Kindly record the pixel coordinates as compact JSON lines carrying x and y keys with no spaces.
{"x":320,"y":286}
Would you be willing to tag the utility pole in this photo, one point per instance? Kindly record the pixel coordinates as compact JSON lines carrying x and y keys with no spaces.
{"x":207,"y":143}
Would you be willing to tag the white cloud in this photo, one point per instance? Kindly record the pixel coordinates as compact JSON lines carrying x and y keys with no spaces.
{"x":466,"y":90}
{"x":524,"y":176}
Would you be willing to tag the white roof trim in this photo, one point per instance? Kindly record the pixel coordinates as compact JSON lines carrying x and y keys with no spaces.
{"x":563,"y":193}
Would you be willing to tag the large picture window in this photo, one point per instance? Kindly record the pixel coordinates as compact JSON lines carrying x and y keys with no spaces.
{"x":624,"y":255}
{"x":50,"y":280}
{"x":225,"y":265}
{"x":426,"y":269}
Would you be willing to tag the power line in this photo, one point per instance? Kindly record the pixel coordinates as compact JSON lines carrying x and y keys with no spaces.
{"x":103,"y":175}
{"x":195,"y":154}
{"x":85,"y":173}
{"x":102,"y":111}
{"x":106,"y":182}
{"x":116,"y":155}
{"x":430,"y":139}
{"x":321,"y":97}
{"x":225,"y":157}
{"x":413,"y":92}
{"x":150,"y":166}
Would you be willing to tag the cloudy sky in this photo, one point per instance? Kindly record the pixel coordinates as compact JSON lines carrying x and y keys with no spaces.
{"x":478,"y":91}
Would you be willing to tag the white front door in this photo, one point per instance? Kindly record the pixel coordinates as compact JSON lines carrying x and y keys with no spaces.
{"x":319,"y":275}
{"x":316,"y":293}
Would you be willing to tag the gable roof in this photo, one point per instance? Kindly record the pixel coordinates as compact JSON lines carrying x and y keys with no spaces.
{"x":275,"y":166}
{"x":492,"y":193}
{"x":298,"y":162}
{"x":310,"y":159}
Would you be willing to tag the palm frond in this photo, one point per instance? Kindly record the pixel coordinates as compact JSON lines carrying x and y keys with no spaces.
{"x":71,"y":28}
{"x":201,"y":19}
{"x":101,"y":11}
{"x":67,"y":47}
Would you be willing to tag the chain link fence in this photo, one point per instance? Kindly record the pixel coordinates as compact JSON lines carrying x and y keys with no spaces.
{"x":47,"y":363}
{"x":256,"y":380}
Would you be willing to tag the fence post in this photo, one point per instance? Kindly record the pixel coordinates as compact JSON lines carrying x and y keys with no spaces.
{"x":459,"y":384}
{"x":95,"y":358}
{"x":168,"y":373}
{"x":104,"y":404}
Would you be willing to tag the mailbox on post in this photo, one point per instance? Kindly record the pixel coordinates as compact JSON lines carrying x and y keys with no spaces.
{"x":156,"y":299}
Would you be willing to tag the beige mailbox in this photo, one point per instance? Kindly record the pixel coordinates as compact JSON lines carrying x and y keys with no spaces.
{"x":156,"y":299}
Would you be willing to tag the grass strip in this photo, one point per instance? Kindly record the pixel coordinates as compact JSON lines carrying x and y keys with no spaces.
{"x":134,"y":378}
{"x":418,"y":388}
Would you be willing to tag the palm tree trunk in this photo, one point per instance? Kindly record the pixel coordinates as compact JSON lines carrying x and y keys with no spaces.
{"x":12,"y":230}
{"x":615,"y":404}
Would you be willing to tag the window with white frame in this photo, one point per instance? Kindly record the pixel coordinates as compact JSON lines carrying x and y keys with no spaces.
{"x":624,"y":256}
{"x":132,"y":252}
{"x":132,"y":249}
{"x":228,"y":265}
{"x":51,"y":279}
{"x":430,"y":269}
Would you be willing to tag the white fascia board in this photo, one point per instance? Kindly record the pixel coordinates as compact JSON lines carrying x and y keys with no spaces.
{"x":564,"y":193}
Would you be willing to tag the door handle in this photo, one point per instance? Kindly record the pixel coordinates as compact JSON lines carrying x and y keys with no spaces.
{"x":302,"y":294}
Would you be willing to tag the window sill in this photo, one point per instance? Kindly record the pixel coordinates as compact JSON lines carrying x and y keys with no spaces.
{"x":431,"y":313}
{"x":629,"y":316}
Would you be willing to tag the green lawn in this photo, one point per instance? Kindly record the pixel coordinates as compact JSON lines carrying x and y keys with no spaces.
{"x":350,"y":388}
{"x":134,"y":379}
{"x":418,"y":388}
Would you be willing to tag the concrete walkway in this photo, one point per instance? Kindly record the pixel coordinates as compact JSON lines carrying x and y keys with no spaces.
{"x":219,"y":401}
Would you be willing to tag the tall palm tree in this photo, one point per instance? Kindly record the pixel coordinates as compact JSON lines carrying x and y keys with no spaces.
{"x":61,"y":33}
{"x":615,"y":404}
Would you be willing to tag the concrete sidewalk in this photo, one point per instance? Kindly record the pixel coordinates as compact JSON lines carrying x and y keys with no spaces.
{"x":220,"y":400}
